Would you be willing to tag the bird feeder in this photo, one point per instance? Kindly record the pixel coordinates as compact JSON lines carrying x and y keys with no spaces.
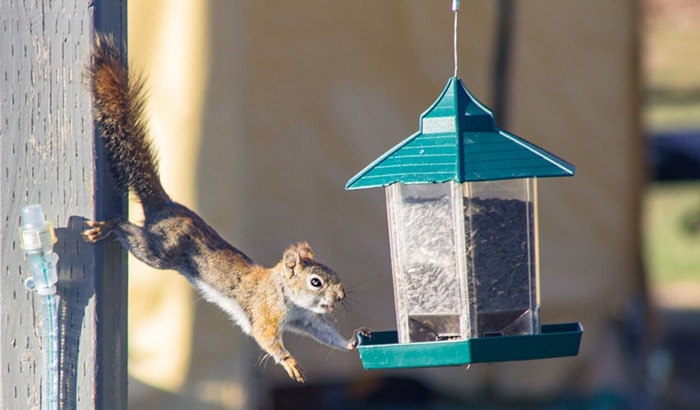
{"x":461,"y":199}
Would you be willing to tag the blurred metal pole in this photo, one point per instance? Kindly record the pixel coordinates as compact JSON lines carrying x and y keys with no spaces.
{"x":502,"y":58}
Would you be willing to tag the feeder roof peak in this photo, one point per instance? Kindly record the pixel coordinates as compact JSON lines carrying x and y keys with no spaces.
{"x":458,"y":140}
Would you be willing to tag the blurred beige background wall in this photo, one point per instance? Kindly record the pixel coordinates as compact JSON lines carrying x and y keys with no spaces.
{"x":261,"y":111}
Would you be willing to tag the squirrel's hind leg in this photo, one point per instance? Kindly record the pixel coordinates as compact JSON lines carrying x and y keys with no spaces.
{"x":135,"y":238}
{"x":98,"y":230}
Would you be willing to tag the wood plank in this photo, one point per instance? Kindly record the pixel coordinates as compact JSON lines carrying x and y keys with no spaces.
{"x":48,"y":156}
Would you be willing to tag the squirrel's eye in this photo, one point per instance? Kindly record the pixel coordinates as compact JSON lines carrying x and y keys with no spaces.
{"x":316,"y":282}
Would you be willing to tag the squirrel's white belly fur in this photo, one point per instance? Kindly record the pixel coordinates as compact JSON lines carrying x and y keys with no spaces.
{"x":229,"y":305}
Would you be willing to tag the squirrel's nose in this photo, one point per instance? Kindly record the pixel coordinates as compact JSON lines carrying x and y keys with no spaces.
{"x":340,"y":295}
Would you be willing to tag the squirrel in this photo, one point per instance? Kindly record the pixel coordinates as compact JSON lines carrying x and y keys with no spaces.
{"x":295,"y":295}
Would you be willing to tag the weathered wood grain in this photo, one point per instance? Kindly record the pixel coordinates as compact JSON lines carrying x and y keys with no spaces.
{"x":49,"y":155}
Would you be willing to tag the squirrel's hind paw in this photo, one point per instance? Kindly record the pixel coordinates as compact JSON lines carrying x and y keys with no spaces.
{"x":96,"y":231}
{"x":293,"y":369}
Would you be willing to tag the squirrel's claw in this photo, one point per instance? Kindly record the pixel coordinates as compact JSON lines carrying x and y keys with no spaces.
{"x":355,"y":339}
{"x":293,"y":369}
{"x":97,"y":231}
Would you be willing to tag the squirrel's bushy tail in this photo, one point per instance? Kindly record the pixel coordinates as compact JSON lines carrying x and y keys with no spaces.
{"x":118,"y":102}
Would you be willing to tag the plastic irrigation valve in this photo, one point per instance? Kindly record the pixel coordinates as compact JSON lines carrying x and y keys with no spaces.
{"x":37,"y":238}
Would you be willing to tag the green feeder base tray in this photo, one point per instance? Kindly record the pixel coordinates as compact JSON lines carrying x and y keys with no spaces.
{"x":382,"y":350}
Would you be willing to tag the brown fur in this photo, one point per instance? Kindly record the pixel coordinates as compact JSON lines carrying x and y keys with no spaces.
{"x":296,"y":294}
{"x":119,"y":104}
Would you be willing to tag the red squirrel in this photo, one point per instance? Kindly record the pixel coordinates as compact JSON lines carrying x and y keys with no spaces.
{"x":295,"y":295}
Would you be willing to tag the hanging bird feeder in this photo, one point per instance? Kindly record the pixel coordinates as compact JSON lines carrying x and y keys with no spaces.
{"x":461,"y":200}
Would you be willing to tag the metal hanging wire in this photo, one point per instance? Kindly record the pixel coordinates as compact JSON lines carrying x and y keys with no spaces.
{"x":455,"y":9}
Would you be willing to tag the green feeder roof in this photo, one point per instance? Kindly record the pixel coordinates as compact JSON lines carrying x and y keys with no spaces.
{"x":458,"y":140}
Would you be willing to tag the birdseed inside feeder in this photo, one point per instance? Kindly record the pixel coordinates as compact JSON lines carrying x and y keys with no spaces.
{"x":461,"y":200}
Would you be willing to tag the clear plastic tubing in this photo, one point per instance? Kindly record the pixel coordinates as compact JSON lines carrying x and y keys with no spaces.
{"x":37,"y":239}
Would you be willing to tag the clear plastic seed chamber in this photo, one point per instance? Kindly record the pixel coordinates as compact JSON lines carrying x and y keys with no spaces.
{"x":464,"y":258}
{"x":461,"y":197}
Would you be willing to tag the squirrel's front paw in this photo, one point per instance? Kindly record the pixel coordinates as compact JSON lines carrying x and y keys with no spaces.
{"x":293,"y":369}
{"x":355,"y":340}
{"x":97,"y":231}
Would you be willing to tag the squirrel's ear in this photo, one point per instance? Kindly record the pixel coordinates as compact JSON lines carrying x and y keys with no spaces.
{"x":291,"y":261}
{"x":304,"y":250}
{"x":293,"y":257}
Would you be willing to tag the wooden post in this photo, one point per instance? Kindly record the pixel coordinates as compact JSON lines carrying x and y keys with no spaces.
{"x":49,"y":154}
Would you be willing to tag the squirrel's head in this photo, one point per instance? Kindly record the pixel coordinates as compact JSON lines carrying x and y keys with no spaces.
{"x":310,"y":284}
